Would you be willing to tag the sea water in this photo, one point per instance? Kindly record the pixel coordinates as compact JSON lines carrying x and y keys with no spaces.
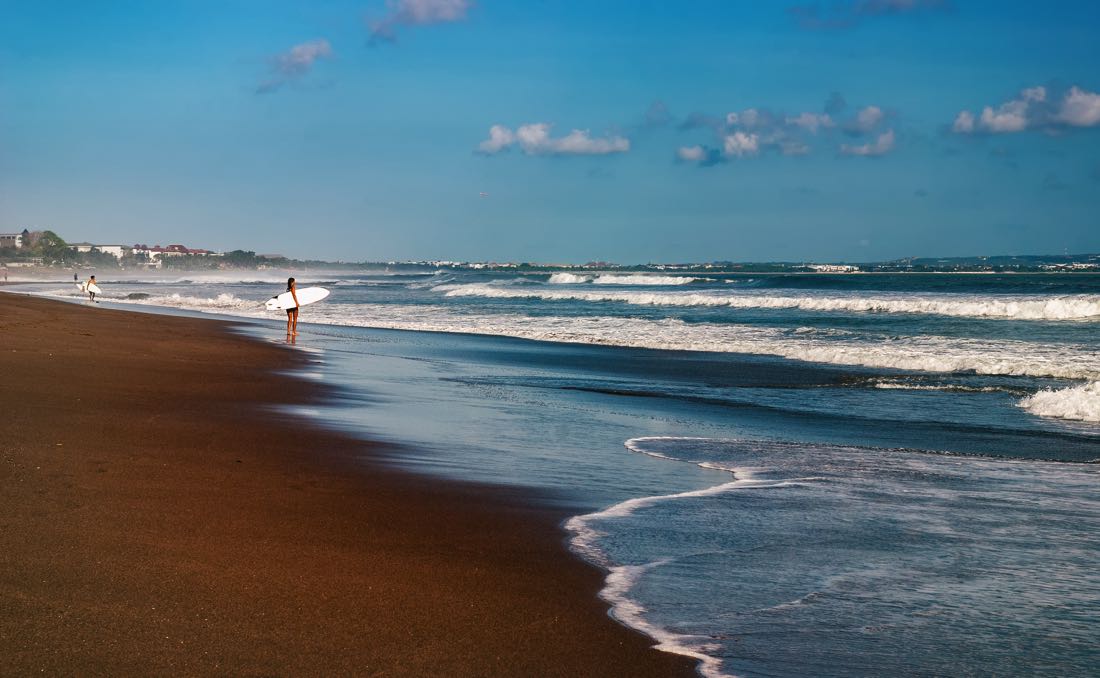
{"x":782,"y":474}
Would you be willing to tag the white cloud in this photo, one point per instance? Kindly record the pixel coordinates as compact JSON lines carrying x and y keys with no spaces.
{"x":417,"y":13}
{"x":1010,"y":116}
{"x":964,"y":123}
{"x":500,"y":137}
{"x":881,"y":146}
{"x":1034,"y":109}
{"x":740,"y":144}
{"x":1080,"y":108}
{"x":691,"y":153}
{"x":535,"y":139}
{"x":811,"y":122}
{"x":748,"y":118}
{"x":1038,"y":93}
{"x":867,"y":119}
{"x":756,"y":131}
{"x":294,"y":63}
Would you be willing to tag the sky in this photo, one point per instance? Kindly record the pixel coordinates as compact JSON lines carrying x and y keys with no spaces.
{"x":625,"y":131}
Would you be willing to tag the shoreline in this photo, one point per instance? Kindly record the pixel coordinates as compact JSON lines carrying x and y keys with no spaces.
{"x":160,"y":521}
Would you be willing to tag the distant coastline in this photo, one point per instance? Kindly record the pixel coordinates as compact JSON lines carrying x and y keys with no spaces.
{"x":47,"y":251}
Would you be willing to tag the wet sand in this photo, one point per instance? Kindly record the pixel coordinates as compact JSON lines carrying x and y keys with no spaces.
{"x":154,"y":520}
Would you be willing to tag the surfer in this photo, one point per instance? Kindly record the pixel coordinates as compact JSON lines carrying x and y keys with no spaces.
{"x":89,"y":285}
{"x":292,"y":313}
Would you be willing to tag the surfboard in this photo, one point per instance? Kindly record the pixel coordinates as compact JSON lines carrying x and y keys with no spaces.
{"x":307,"y":295}
{"x":82,"y":286}
{"x":94,"y":289}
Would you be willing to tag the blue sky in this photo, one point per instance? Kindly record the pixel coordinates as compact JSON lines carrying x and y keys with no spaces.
{"x":847,"y":130}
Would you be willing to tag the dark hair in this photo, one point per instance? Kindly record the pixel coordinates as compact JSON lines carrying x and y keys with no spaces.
{"x":289,"y":282}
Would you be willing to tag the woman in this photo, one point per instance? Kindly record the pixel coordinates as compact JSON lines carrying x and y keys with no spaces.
{"x":292,"y":313}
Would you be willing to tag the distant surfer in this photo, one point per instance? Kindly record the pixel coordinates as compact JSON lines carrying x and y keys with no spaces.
{"x":91,"y":287}
{"x":292,"y":313}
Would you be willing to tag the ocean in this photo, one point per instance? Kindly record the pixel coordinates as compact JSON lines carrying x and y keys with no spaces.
{"x":783,"y":475}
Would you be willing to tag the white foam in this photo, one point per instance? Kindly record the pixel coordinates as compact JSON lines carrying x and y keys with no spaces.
{"x":1075,"y":307}
{"x":621,"y":579}
{"x":646,"y":280}
{"x":617,"y":586}
{"x":621,"y":279}
{"x":837,"y":347}
{"x":1081,"y":403}
{"x":223,"y":302}
{"x":568,"y":279}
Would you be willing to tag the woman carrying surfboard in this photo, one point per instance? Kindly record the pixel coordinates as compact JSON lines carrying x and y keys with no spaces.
{"x":292,"y":313}
{"x":91,"y":288}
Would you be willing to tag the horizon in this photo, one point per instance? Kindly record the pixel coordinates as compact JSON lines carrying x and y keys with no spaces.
{"x":447,"y":129}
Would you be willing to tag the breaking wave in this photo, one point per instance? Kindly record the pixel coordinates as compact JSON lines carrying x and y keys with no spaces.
{"x":1078,"y":307}
{"x":621,"y":279}
{"x":1079,"y":403}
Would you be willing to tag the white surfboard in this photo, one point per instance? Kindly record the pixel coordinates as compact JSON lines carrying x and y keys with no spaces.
{"x":94,"y":288}
{"x":82,"y":286}
{"x":307,"y":295}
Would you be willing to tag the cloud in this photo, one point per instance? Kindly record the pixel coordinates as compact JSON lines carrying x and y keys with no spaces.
{"x":964,"y":123}
{"x":880,"y":146}
{"x":754,"y":131}
{"x":535,"y":139}
{"x":1033,"y":109}
{"x":704,"y":156}
{"x":500,"y":138}
{"x":1080,"y":108}
{"x":416,"y":13}
{"x":811,"y":122}
{"x":740,"y":144}
{"x":846,"y":14}
{"x":294,"y":64}
{"x":691,"y":153}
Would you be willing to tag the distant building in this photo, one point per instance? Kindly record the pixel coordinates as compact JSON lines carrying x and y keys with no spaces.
{"x":117,"y":251}
{"x":156,"y":252}
{"x":832,"y":268}
{"x":15,"y":240}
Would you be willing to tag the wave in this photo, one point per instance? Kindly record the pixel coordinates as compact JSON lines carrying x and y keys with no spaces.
{"x":1079,"y":307}
{"x":911,"y":490}
{"x":622,"y":579}
{"x":620,"y":279}
{"x":568,"y":279}
{"x":915,"y":353}
{"x":1079,"y":403}
{"x":935,"y":354}
{"x":224,"y":302}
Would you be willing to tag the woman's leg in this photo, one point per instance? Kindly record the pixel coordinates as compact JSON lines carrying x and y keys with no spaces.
{"x":295,"y":322}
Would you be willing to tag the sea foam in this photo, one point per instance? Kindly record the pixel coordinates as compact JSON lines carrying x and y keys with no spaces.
{"x":621,"y":279}
{"x":1081,"y":403}
{"x":1076,"y":307}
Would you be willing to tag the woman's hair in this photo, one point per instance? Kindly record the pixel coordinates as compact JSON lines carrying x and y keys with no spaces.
{"x":289,"y":282}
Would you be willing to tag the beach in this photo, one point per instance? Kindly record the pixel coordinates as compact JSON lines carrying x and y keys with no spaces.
{"x":160,"y":517}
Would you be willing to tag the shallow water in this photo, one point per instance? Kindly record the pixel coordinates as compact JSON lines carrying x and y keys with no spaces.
{"x":861,"y":475}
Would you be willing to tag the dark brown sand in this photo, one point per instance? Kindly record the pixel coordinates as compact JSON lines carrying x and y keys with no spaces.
{"x":154,"y":522}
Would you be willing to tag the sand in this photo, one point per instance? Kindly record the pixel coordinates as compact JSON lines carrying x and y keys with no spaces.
{"x":157,"y":519}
